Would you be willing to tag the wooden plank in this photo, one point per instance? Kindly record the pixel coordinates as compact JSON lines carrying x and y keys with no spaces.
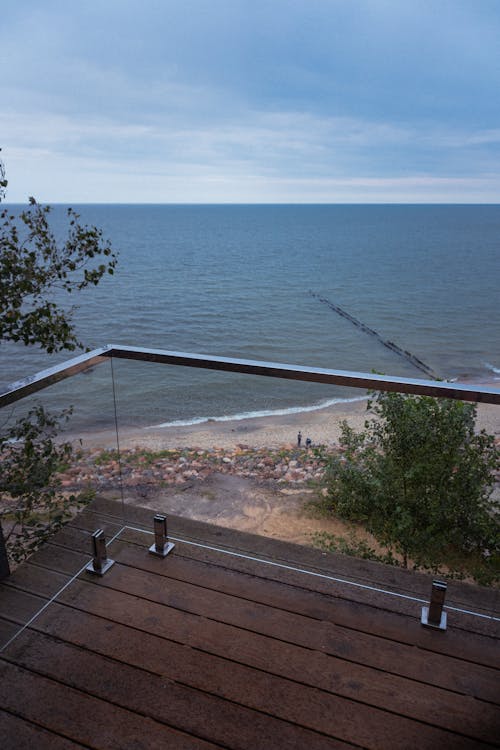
{"x":298,"y":598}
{"x":459,"y":594}
{"x":406,"y":581}
{"x":36,"y":580}
{"x":70,"y":549}
{"x":246,"y":613}
{"x":75,"y":539}
{"x":228,"y":724}
{"x":192,"y":711}
{"x":271,"y":654}
{"x":289,"y":699}
{"x":54,"y":557}
{"x":7,"y":630}
{"x":349,"y":592}
{"x":83,"y":718}
{"x":18,"y":734}
{"x":18,"y":606}
{"x":90,"y":520}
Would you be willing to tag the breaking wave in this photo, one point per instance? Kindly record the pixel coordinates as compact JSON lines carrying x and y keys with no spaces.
{"x":492,"y":368}
{"x":256,"y":414}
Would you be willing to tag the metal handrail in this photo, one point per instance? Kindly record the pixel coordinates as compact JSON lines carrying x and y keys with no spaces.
{"x":366,"y":381}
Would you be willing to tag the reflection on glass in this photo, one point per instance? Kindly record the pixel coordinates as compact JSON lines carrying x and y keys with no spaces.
{"x":48,"y":478}
{"x":259,"y":455}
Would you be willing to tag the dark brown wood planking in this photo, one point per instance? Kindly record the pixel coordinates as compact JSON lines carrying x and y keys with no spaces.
{"x":206,"y":649}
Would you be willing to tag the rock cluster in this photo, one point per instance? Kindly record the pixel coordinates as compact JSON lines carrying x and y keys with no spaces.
{"x":138,"y":466}
{"x":141,"y":467}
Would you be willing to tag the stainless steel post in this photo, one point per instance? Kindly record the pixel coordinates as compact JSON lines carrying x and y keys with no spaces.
{"x":162,"y":546}
{"x":101,"y":563}
{"x":433,"y":615}
{"x":4,"y":562}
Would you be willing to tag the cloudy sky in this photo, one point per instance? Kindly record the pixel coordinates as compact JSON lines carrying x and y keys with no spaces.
{"x":254,"y":101}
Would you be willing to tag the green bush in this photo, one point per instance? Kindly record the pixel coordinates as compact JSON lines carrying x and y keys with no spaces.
{"x":35,"y":267}
{"x":30,"y":488}
{"x":420,"y":480}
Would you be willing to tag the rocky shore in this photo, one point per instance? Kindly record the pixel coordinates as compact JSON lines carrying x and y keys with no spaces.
{"x":260,"y":449}
{"x":139,"y":467}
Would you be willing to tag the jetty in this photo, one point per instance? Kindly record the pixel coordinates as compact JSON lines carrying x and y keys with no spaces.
{"x":404,"y":353}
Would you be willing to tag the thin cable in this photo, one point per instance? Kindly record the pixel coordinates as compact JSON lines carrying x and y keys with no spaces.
{"x":253,"y":559}
{"x":53,"y":598}
{"x":317,"y":575}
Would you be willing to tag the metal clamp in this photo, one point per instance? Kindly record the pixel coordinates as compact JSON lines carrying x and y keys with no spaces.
{"x":101,"y":563}
{"x":162,"y":546}
{"x":433,"y":615}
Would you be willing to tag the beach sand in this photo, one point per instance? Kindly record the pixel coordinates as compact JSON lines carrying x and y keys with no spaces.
{"x":322,"y":426}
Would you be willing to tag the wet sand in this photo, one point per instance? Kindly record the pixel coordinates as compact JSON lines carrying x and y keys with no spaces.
{"x":321,"y":426}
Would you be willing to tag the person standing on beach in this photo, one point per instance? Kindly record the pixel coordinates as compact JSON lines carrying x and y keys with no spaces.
{"x":299,"y":439}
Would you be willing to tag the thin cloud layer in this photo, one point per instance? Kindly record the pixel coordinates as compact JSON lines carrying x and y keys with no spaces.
{"x":264,"y":102}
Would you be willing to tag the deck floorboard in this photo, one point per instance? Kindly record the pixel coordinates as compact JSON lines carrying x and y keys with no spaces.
{"x":206,"y":649}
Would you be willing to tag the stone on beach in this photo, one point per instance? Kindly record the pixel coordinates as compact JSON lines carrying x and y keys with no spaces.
{"x":140,"y":467}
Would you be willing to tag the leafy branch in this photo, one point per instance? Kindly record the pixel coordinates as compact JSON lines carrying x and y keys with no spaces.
{"x":35,"y":268}
{"x":30,"y":491}
{"x":420,"y":479}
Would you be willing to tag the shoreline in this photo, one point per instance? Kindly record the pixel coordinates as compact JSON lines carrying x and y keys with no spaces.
{"x":321,"y":425}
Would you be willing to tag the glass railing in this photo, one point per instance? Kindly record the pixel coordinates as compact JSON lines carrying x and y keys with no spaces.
{"x":242,"y":445}
{"x":35,"y":510}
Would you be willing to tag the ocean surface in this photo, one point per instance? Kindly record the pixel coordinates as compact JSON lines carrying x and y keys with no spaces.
{"x":237,"y":281}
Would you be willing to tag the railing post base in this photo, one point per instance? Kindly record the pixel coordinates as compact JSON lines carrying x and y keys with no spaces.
{"x":162,"y":546}
{"x":433,"y":615}
{"x":163,"y":553}
{"x":425,"y":620}
{"x":101,"y":563}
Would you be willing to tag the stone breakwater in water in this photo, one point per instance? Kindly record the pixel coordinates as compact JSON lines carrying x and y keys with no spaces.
{"x":139,"y":467}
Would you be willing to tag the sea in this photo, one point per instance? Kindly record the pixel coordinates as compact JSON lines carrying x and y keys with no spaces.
{"x":266,"y":282}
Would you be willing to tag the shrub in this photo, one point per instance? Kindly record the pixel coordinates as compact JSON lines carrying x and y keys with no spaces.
{"x":30,"y":490}
{"x":420,"y":479}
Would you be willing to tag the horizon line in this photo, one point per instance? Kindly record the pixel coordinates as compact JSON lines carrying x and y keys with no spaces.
{"x":255,"y":203}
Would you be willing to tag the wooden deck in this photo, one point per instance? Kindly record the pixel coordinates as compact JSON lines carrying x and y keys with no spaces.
{"x":204,"y":649}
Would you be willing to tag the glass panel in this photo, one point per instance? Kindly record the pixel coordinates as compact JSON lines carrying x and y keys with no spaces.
{"x":223,"y":449}
{"x":62,"y":483}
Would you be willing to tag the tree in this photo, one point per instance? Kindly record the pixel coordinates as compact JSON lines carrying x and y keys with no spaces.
{"x":30,"y":460}
{"x":420,"y":478}
{"x":35,"y":267}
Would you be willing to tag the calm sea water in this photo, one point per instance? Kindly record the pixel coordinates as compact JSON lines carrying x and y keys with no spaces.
{"x":236,"y":281}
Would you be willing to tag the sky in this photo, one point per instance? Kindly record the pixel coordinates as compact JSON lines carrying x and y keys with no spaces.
{"x":251,"y":101}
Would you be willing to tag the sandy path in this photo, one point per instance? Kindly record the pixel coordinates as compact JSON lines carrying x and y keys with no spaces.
{"x":243,"y":504}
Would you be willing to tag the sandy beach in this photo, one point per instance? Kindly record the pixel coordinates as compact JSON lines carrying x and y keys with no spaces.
{"x":321,"y":426}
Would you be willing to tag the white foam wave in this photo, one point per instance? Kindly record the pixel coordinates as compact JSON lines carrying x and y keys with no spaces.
{"x":256,"y":414}
{"x":491,"y":367}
